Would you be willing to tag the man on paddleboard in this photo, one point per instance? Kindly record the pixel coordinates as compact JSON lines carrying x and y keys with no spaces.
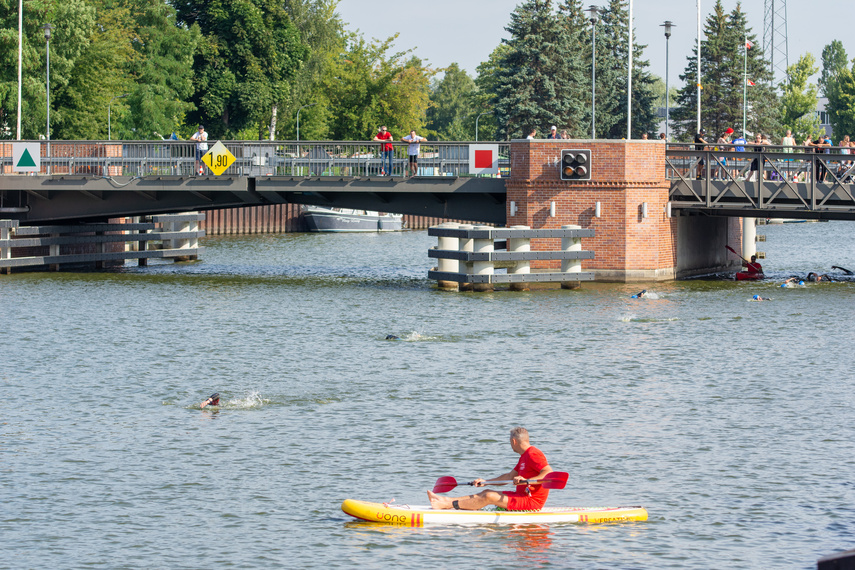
{"x":531,"y":465}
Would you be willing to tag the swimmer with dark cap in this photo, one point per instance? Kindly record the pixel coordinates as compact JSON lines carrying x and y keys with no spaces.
{"x":814,"y":278}
{"x":640,"y":294}
{"x":214,"y":400}
{"x":392,"y":337}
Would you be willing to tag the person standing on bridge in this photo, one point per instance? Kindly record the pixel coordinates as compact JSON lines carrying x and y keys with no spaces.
{"x":413,"y":150}
{"x":384,"y":137}
{"x":201,"y":138}
{"x":700,"y":144}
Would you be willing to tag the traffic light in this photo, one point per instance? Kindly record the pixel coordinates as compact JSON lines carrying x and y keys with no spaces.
{"x":575,"y":165}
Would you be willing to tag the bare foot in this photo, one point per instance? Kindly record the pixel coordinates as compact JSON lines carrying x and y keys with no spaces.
{"x":438,"y":502}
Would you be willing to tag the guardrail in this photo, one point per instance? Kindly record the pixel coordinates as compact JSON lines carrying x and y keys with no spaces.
{"x":775,"y":178}
{"x":252,"y":158}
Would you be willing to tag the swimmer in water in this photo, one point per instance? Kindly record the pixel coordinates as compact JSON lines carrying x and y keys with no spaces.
{"x":640,"y":294}
{"x":843,"y":269}
{"x":392,"y":337}
{"x":794,"y":280}
{"x":759,"y":298}
{"x":815,"y":278}
{"x":214,"y":400}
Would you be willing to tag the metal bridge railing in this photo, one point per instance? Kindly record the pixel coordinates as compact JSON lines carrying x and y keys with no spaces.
{"x":792,"y":178}
{"x":252,"y":158}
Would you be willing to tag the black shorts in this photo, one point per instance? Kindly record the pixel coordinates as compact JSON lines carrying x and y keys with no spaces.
{"x":414,"y":159}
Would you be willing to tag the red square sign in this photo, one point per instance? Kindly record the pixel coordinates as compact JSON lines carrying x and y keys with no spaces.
{"x":483,"y":159}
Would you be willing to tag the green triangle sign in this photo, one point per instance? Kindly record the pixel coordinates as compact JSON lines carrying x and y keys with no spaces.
{"x":26,"y":160}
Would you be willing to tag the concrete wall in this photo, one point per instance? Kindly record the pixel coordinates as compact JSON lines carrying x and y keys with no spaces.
{"x":701,"y":242}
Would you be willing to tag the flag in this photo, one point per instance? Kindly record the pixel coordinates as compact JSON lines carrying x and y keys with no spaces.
{"x":748,"y":44}
{"x":751,"y":83}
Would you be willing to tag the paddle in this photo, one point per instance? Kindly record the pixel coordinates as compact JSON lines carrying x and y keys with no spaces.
{"x":747,"y":263}
{"x":554,"y":480}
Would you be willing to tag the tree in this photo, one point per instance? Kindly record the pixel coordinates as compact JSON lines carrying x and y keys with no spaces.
{"x":841,"y":102}
{"x":483,"y":98}
{"x":612,"y":62}
{"x":834,"y":60}
{"x":451,"y":105}
{"x":537,"y":80}
{"x":722,"y":64}
{"x":367,"y":89}
{"x":160,"y":69}
{"x":249,"y":52}
{"x":798,"y":102}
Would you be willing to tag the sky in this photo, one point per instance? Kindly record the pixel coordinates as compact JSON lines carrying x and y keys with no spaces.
{"x":467,"y":31}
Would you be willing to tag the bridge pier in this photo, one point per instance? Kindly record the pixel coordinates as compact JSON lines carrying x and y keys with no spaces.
{"x":625,"y":202}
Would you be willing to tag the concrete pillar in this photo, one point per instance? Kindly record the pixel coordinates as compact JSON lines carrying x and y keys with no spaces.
{"x":749,"y":237}
{"x":521,"y":267}
{"x":448,"y":265}
{"x":571,"y":265}
{"x":483,"y":245}
{"x":466,"y":244}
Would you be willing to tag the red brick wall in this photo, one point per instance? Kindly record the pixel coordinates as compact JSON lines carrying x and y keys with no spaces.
{"x":624,"y":175}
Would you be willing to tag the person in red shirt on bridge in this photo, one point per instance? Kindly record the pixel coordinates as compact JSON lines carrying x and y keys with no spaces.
{"x":531,"y":465}
{"x":753,"y":266}
{"x":386,"y":153}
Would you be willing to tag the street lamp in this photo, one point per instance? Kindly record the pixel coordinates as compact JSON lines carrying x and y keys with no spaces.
{"x":47,"y":28}
{"x":476,"y":122}
{"x":667,"y":25}
{"x":109,"y":117}
{"x":593,"y":12}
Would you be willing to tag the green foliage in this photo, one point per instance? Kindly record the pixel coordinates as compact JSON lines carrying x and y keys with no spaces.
{"x":834,"y":60}
{"x":612,"y":62}
{"x":483,"y":98}
{"x":368,"y":89}
{"x":537,"y":79}
{"x":249,"y":52}
{"x":452,"y":105}
{"x":798,"y":101}
{"x":722,"y":65}
{"x":841,"y":102}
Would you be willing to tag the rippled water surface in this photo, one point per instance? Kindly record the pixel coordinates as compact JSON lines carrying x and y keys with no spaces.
{"x":730,"y":420}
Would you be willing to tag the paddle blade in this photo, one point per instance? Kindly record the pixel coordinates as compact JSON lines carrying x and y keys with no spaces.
{"x":555,"y":480}
{"x":444,"y":484}
{"x":731,"y":250}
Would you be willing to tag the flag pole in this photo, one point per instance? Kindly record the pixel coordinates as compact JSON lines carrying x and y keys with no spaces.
{"x":629,"y":81}
{"x":20,"y":49}
{"x":744,"y":85}
{"x":698,"y":2}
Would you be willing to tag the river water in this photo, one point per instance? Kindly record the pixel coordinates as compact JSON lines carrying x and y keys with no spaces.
{"x":731,"y":421}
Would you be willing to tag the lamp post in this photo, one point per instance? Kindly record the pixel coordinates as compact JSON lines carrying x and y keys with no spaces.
{"x":47,"y":28}
{"x":109,"y":115}
{"x":593,"y":11}
{"x":698,"y":3}
{"x":629,"y":80}
{"x":20,"y":59}
{"x":667,"y":25}
{"x":476,"y":122}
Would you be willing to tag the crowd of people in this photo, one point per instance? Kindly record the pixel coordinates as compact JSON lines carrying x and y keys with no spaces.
{"x":842,"y":166}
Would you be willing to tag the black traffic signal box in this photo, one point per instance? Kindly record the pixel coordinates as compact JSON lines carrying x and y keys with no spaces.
{"x":575,"y":164}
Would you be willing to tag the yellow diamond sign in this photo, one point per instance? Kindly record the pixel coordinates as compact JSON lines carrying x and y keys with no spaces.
{"x":218,"y":158}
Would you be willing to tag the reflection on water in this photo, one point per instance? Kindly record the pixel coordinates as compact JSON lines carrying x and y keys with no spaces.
{"x":729,"y":421}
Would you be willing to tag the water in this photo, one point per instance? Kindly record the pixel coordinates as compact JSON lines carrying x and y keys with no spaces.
{"x":730,"y":420}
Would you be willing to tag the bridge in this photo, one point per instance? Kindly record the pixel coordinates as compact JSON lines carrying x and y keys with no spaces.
{"x":97,"y":180}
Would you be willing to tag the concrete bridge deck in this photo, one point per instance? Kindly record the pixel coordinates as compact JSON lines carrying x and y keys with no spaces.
{"x":95,"y":180}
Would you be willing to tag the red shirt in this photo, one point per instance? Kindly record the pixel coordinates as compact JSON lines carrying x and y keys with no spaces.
{"x":754,"y":267}
{"x":531,"y":463}
{"x":387,"y":136}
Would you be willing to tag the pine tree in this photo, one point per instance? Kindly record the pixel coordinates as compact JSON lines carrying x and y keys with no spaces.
{"x":612,"y":61}
{"x":538,"y":80}
{"x":722,"y":64}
